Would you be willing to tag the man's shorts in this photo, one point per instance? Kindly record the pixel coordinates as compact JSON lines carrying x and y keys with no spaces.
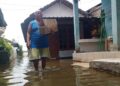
{"x":37,"y":53}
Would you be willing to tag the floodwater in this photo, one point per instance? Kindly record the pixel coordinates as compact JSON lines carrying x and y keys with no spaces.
{"x":58,"y":73}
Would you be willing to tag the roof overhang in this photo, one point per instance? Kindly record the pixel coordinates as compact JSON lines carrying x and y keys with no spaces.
{"x":2,"y":21}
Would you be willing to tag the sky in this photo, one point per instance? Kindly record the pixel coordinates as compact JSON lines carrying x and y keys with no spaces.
{"x":16,"y":11}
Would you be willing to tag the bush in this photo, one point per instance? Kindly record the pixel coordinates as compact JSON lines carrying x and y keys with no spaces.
{"x":7,"y":47}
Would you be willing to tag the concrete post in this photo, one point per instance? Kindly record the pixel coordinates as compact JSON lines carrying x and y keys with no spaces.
{"x":116,"y":23}
{"x":76,"y":24}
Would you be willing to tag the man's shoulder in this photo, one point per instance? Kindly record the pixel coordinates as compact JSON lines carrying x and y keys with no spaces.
{"x":33,"y":21}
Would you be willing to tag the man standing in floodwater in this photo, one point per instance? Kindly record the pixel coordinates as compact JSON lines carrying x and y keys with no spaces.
{"x":36,"y":42}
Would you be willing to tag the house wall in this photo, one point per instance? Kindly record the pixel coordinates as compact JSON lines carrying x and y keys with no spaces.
{"x":118,"y":22}
{"x":59,"y":10}
{"x":106,"y":6}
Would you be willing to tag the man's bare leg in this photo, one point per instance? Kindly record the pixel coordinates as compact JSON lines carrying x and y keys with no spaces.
{"x":43,"y":62}
{"x":36,"y":63}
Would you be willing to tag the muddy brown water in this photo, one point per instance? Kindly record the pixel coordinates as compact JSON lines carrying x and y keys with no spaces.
{"x":58,"y":73}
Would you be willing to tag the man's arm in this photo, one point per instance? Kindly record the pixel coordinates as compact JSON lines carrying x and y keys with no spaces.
{"x":28,"y":36}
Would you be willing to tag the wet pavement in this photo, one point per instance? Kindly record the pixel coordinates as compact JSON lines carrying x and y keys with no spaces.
{"x":58,"y":73}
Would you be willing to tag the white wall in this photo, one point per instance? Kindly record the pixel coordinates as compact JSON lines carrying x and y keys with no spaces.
{"x":59,"y":10}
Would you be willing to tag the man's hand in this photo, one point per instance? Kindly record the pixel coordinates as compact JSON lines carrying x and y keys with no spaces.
{"x":28,"y":45}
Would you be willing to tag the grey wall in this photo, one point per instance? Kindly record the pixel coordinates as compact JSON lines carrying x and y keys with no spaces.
{"x":106,"y":5}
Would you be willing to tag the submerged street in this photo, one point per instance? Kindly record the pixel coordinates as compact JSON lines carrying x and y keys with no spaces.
{"x":87,"y":30}
{"x":58,"y":73}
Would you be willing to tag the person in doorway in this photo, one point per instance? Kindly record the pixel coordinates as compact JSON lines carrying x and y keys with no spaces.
{"x":36,"y":42}
{"x":94,"y":32}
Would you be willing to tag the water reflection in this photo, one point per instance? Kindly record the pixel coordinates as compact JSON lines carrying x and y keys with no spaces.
{"x":89,"y":77}
{"x":58,"y":73}
{"x":14,"y":72}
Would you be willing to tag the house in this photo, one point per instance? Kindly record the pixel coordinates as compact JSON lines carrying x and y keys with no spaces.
{"x":62,"y":42}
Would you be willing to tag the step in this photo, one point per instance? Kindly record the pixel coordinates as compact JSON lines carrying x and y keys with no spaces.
{"x":111,"y":64}
{"x":90,"y":56}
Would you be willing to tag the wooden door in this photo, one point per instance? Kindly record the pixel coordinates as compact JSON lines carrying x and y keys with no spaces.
{"x":54,"y":45}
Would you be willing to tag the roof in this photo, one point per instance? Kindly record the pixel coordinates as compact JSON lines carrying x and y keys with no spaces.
{"x":2,"y":21}
{"x":24,"y":25}
{"x":66,"y":3}
{"x":91,"y":9}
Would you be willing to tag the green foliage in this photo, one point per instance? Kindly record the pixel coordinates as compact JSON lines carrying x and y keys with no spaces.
{"x":6,"y":45}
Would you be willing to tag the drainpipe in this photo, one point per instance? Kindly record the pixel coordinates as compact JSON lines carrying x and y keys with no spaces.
{"x":76,"y":24}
